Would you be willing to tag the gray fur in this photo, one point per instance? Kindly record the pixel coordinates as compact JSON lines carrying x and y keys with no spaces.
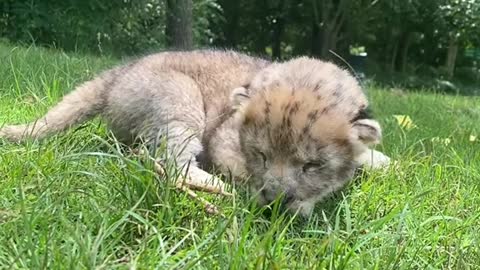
{"x":196,"y":100}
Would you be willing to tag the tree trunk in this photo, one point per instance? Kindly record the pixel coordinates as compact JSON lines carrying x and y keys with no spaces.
{"x":320,"y":41}
{"x":262,"y":40}
{"x":451,"y":56}
{"x":230,"y":28}
{"x":325,"y":42}
{"x":278,"y":31}
{"x":329,"y":18}
{"x":393,"y":58}
{"x":407,"y":41}
{"x":333,"y":41}
{"x":315,"y":49}
{"x":277,"y":39}
{"x":179,"y":24}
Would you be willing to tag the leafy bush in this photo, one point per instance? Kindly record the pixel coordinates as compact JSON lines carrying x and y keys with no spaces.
{"x":118,"y":27}
{"x":468,"y":74}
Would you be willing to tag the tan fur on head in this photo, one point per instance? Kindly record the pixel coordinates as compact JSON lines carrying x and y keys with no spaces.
{"x":328,"y":80}
{"x":296,"y":130}
{"x":296,"y":115}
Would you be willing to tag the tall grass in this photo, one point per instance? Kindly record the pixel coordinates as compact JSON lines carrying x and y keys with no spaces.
{"x":77,"y":201}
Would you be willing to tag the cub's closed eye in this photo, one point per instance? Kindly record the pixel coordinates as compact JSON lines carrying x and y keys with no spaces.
{"x":309,"y":166}
{"x":264,"y":157}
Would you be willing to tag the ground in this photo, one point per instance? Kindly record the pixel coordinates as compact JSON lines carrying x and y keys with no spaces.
{"x":76,"y":201}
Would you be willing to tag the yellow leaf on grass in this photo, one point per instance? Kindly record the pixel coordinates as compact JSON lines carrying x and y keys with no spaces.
{"x":404,"y":121}
{"x":472,"y":138}
{"x":445,"y":141}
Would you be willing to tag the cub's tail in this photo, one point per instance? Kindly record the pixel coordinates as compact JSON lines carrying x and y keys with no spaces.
{"x":82,"y":104}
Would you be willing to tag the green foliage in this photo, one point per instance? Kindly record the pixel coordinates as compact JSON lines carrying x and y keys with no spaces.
{"x":118,"y":27}
{"x":206,"y":13}
{"x":398,"y":36}
{"x":461,"y":19}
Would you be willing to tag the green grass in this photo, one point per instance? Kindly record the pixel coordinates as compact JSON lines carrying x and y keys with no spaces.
{"x":74,"y":201}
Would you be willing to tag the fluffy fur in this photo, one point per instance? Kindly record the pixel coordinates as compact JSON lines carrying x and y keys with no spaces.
{"x":295,"y":128}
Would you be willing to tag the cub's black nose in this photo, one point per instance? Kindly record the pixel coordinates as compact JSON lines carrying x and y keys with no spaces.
{"x":288,"y":197}
{"x":284,"y":198}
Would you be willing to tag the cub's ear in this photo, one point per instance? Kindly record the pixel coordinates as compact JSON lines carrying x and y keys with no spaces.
{"x":367,"y":131}
{"x":239,"y":97}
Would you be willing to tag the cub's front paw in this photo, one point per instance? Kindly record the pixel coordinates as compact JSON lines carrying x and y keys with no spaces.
{"x":372,"y":159}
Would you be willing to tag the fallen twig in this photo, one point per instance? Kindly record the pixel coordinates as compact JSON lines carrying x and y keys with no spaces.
{"x":186,"y":184}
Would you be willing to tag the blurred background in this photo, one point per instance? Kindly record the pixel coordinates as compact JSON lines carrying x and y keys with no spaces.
{"x":420,"y":44}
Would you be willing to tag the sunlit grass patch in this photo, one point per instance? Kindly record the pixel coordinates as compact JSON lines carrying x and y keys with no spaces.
{"x":77,"y":200}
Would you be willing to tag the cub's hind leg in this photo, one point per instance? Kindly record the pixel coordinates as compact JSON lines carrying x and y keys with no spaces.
{"x":162,"y":106}
{"x":182,"y":147}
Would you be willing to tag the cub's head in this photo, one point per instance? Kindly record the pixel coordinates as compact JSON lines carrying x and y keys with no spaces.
{"x":298,"y":139}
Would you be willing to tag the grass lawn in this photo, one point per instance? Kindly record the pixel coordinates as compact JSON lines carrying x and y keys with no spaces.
{"x":74,"y":201}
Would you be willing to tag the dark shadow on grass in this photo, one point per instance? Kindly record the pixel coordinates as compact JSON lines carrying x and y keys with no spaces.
{"x":409,"y":83}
